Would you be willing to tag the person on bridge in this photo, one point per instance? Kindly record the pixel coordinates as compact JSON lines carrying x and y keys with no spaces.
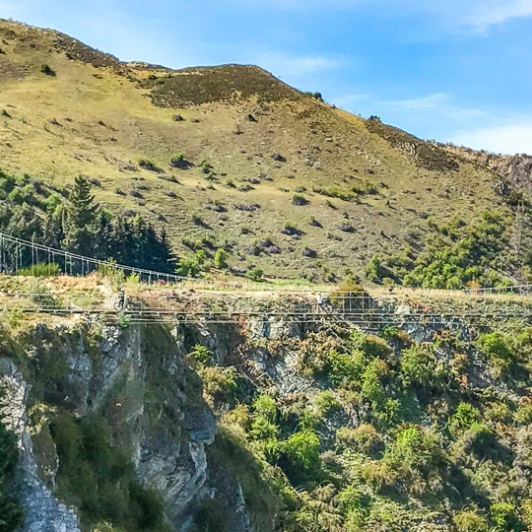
{"x":320,"y":302}
{"x":121,"y":299}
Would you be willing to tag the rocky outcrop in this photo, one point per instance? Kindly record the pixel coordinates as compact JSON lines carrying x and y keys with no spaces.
{"x":43,"y":510}
{"x":168,"y":446}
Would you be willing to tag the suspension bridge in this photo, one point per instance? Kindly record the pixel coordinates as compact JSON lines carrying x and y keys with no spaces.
{"x":166,"y":297}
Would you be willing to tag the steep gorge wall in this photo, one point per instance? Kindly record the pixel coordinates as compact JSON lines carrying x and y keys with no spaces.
{"x":133,"y":383}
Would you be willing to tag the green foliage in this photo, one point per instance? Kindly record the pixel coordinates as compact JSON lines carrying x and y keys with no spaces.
{"x":220,"y":259}
{"x":193,"y":264}
{"x":303,"y":450}
{"x":179,"y":160}
{"x":462,"y":255}
{"x":255,"y":274}
{"x":98,"y":477}
{"x":202,"y":354}
{"x":11,"y":513}
{"x":375,"y":271}
{"x":327,"y":403}
{"x":220,"y":383}
{"x":465,"y":416}
{"x":41,"y":269}
{"x":504,"y":516}
{"x":265,"y":406}
{"x":470,"y":521}
{"x":372,"y":384}
{"x":497,"y":348}
{"x":418,"y":364}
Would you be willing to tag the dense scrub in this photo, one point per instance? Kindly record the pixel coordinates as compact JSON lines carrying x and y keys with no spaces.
{"x":457,"y":255}
{"x":392,"y":433}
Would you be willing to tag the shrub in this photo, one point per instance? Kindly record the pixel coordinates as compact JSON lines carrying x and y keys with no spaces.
{"x":470,"y":521}
{"x":372,"y":386}
{"x":373,"y":346}
{"x":193,"y":264}
{"x":180,"y":161}
{"x":327,"y":403}
{"x":48,"y":70}
{"x":41,"y":269}
{"x":255,"y":274}
{"x":343,"y":369}
{"x":206,"y":167}
{"x":299,"y":200}
{"x":201,"y":354}
{"x":363,"y":438}
{"x":504,"y":517}
{"x":220,"y":259}
{"x":263,"y":429}
{"x":149,"y":165}
{"x":524,"y":414}
{"x":303,"y":449}
{"x":374,"y":270}
{"x":220,"y":383}
{"x":465,"y":416}
{"x":265,"y":406}
{"x":496,"y":347}
{"x":418,"y":364}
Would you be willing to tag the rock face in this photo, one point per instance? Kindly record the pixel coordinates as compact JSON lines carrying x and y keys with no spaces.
{"x":43,"y":510}
{"x":168,"y":445}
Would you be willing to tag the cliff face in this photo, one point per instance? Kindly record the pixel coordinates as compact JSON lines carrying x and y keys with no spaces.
{"x":135,"y":382}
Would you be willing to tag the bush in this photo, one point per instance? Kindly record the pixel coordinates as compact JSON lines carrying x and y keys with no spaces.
{"x":255,"y":274}
{"x":465,"y":416}
{"x":41,"y":269}
{"x":470,"y":521}
{"x":180,"y":161}
{"x":265,"y":406}
{"x":504,"y":517}
{"x":418,"y":364}
{"x":193,"y":264}
{"x":220,"y":259}
{"x":299,"y":200}
{"x":327,"y":403}
{"x":220,"y":383}
{"x":48,"y":70}
{"x":497,"y":348}
{"x":363,"y":438}
{"x":202,"y":355}
{"x":303,"y":450}
{"x":149,"y":165}
{"x":372,"y":386}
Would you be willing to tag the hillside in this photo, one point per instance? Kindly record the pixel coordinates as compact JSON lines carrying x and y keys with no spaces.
{"x":232,"y":157}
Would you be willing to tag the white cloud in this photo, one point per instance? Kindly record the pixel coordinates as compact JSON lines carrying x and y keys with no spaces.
{"x":507,"y":139}
{"x":485,"y":14}
{"x":281,"y":64}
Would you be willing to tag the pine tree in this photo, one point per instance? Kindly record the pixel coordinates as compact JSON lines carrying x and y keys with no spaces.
{"x":79,"y":219}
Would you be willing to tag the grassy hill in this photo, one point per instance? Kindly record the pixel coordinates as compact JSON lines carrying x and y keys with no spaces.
{"x":231,"y":156}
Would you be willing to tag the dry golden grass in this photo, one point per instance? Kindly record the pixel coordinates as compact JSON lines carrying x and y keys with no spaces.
{"x":108,"y":121}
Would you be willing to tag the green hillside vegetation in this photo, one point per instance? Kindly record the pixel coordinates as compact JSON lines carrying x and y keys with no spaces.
{"x":227,"y":156}
{"x":399,"y":437}
{"x":68,"y":218}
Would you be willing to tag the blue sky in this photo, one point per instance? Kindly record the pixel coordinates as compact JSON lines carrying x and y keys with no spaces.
{"x":457,"y":71}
